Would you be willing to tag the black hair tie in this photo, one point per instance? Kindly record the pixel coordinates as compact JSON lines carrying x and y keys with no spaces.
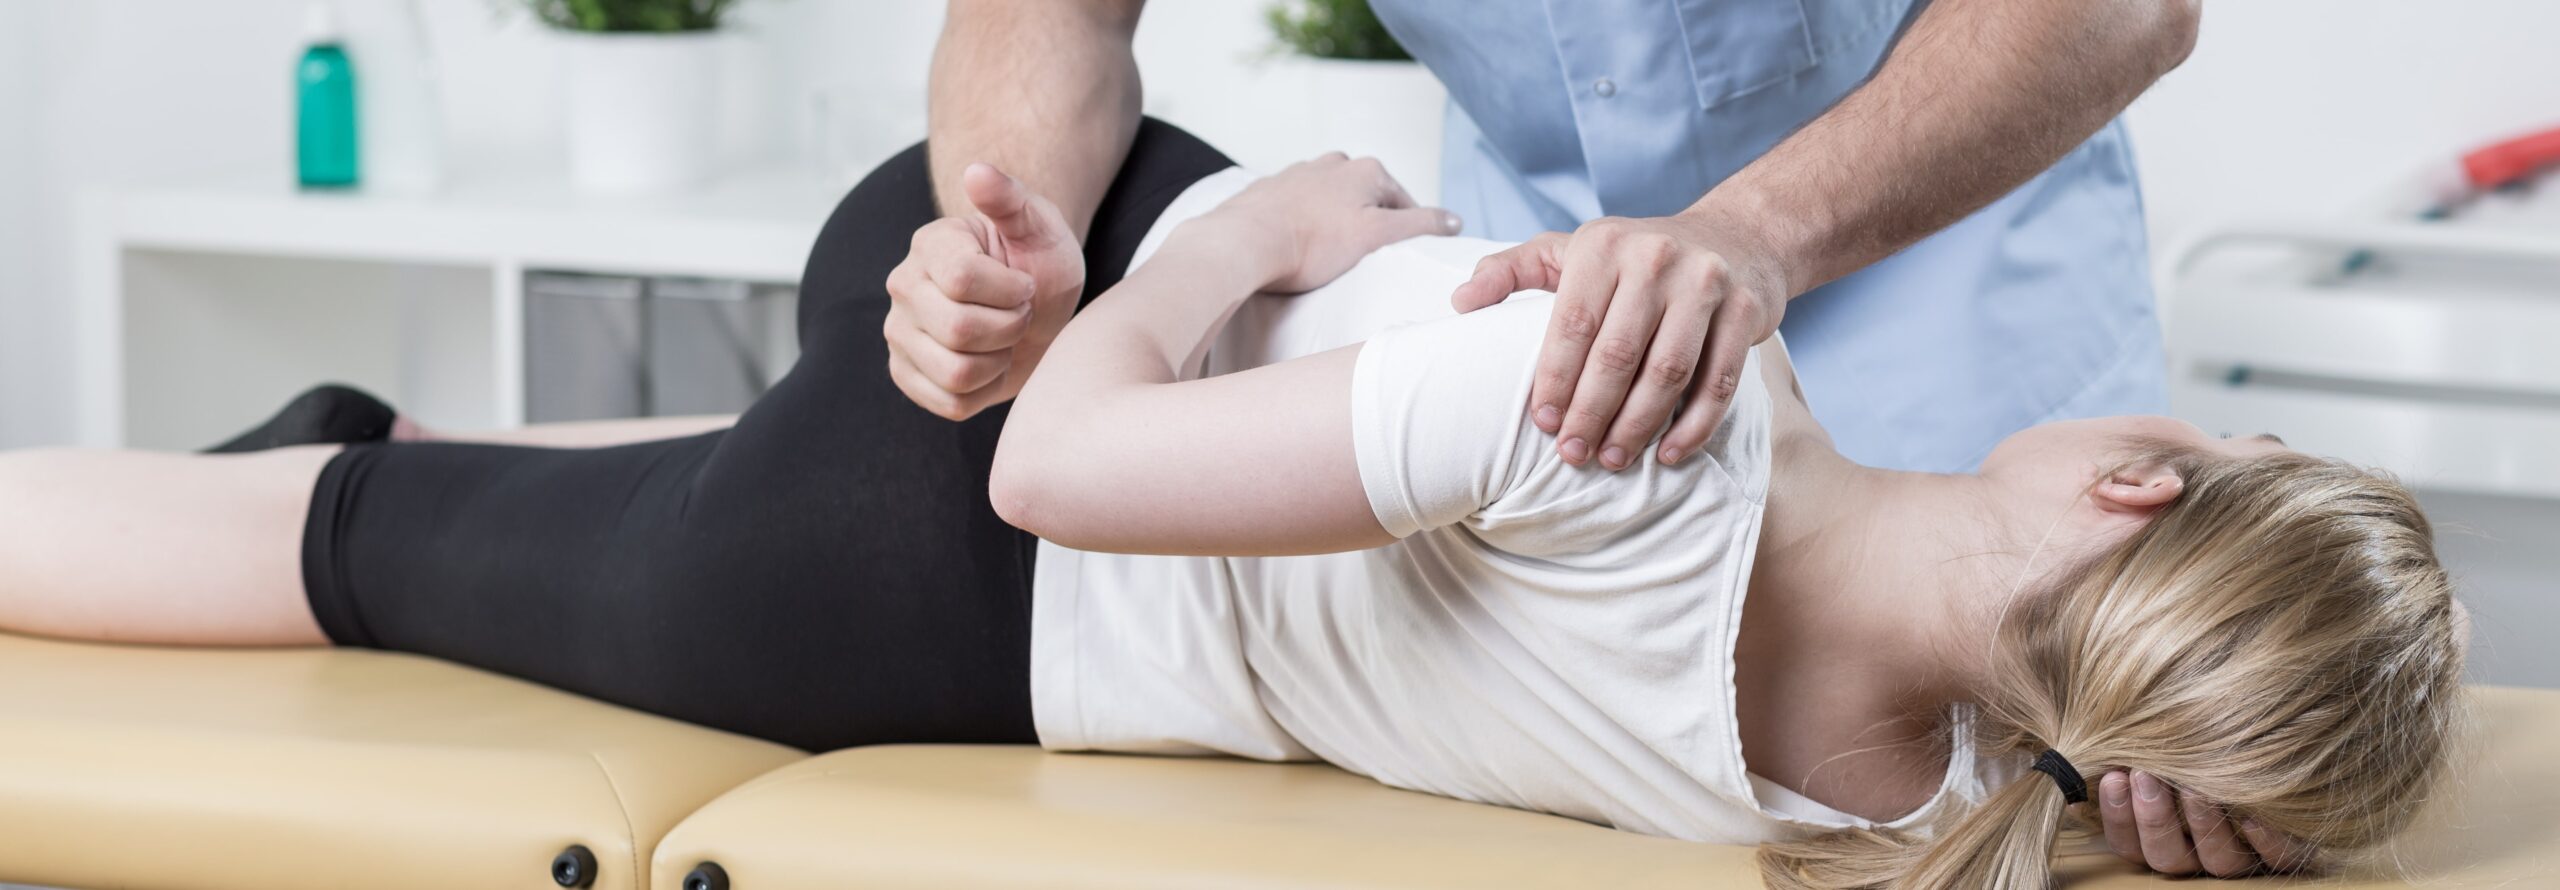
{"x":2074,"y":788}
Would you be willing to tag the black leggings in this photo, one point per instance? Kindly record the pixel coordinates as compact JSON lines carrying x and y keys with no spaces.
{"x":826,"y":573}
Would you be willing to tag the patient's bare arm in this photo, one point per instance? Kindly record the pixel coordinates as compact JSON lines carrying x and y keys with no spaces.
{"x":1110,"y":449}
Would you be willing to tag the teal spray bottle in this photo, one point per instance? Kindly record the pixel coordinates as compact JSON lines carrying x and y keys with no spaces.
{"x":325,"y":117}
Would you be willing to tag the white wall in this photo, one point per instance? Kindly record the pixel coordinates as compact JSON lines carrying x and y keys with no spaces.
{"x":120,"y":91}
{"x":2308,"y":106}
{"x":19,"y":220}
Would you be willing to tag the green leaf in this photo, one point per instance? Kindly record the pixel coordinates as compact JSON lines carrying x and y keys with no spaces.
{"x":630,"y":16}
{"x":1334,"y":29}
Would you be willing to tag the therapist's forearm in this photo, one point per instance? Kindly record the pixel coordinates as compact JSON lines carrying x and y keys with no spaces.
{"x":1046,"y":90}
{"x":1978,"y":97}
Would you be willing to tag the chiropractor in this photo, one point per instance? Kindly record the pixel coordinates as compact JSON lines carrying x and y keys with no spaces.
{"x":1935,"y":198}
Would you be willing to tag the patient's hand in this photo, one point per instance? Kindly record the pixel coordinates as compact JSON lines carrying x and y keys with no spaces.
{"x":2150,"y":826}
{"x":980,"y":297}
{"x":1310,"y":223}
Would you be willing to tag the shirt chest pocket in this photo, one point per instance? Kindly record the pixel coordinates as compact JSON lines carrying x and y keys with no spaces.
{"x":1739,"y":46}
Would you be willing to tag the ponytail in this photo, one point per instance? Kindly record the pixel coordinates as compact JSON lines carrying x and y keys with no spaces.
{"x":2004,"y":843}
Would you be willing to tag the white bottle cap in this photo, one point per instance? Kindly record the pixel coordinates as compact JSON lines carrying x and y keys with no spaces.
{"x":320,"y":22}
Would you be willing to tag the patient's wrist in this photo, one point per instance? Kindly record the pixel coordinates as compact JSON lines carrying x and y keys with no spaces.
{"x":1255,"y":249}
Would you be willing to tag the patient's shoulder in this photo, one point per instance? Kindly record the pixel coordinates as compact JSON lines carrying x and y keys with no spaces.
{"x":1402,"y":285}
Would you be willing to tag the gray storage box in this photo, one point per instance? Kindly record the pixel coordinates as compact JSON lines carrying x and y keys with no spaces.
{"x":601,"y":346}
{"x":584,"y":347}
{"x":714,"y":346}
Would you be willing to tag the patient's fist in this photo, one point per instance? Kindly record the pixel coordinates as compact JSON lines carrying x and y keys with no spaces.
{"x":980,"y":296}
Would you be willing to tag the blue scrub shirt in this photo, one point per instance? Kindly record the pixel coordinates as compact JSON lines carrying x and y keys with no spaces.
{"x":2036,"y":308}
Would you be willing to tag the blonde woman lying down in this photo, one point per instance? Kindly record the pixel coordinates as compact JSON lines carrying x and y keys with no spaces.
{"x":1320,"y":527}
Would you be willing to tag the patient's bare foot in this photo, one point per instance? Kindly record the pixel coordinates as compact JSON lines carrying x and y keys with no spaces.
{"x":405,"y":430}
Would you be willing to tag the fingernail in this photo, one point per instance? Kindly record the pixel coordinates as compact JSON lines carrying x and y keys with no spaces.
{"x":1450,"y":223}
{"x":1613,"y":457}
{"x":2113,"y":787}
{"x":1576,"y":450}
{"x":2251,"y":825}
{"x":1549,"y":416}
{"x":1671,"y":455}
{"x":2146,"y":787}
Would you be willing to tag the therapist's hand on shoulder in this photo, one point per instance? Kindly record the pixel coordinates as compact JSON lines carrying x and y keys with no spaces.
{"x":980,"y":297}
{"x":1651,"y":315}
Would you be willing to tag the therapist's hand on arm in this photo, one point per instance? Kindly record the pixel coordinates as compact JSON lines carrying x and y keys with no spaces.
{"x":1049,"y":93}
{"x":1978,"y":97}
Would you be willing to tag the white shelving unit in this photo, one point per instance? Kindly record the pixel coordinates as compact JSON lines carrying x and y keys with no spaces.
{"x":202,"y":305}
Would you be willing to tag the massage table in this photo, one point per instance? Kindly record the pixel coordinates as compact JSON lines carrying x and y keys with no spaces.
{"x":176,"y":769}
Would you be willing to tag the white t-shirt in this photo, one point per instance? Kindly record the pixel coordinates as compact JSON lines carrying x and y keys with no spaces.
{"x":1541,"y":636}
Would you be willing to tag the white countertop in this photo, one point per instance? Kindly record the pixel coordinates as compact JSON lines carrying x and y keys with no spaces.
{"x":756,"y":225}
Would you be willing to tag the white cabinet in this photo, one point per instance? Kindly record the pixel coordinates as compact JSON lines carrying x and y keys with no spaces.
{"x":202,"y":306}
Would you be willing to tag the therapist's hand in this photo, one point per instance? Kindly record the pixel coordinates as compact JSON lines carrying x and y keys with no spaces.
{"x":980,"y":297}
{"x":2150,"y":825}
{"x":1649,"y":314}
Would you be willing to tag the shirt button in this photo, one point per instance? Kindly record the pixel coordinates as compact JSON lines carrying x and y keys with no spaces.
{"x":1605,"y":87}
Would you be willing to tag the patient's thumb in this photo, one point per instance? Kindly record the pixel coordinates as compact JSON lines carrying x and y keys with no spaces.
{"x":1005,"y":201}
{"x":1525,"y":266}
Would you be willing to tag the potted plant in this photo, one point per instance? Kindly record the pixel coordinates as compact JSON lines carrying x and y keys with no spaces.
{"x":1364,"y":94}
{"x":640,"y":87}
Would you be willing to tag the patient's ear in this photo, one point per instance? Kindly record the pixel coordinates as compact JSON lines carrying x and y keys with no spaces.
{"x":2138,"y":490}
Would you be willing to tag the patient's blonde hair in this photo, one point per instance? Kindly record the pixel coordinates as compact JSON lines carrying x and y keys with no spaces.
{"x":2280,"y":639}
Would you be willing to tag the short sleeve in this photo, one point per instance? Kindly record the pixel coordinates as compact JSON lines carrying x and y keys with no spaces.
{"x":1440,"y":423}
{"x":1438,"y":412}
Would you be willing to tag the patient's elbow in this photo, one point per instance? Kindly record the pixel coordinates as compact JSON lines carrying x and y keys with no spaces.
{"x":1019,"y":491}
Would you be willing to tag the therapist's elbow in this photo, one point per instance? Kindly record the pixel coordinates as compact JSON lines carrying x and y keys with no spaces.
{"x":2169,"y":33}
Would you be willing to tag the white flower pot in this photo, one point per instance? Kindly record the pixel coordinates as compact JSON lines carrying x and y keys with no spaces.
{"x":639,"y":109}
{"x":1387,"y":110}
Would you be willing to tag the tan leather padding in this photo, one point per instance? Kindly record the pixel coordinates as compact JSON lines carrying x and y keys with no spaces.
{"x":974,"y":817}
{"x":172,"y":768}
{"x":967,"y":817}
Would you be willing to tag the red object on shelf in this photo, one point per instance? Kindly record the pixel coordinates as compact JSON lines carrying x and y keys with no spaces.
{"x":2505,"y":162}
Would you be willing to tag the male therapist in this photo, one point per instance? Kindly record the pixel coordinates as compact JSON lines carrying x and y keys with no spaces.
{"x":1934,"y":198}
